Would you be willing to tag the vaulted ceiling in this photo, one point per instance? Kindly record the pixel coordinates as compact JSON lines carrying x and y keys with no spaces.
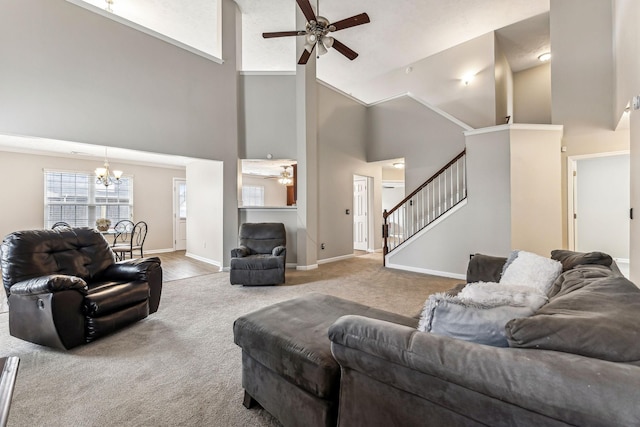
{"x":400,"y":33}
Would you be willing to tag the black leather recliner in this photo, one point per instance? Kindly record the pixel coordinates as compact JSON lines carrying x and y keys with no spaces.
{"x":260,"y":259}
{"x":64,"y":287}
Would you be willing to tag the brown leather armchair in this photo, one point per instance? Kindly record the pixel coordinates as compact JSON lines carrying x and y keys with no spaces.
{"x":64,"y":287}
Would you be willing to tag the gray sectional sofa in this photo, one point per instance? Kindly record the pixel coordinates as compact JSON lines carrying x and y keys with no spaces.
{"x":576,"y":361}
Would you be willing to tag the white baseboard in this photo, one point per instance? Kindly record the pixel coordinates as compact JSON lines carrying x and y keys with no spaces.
{"x":159,"y":251}
{"x":307,"y":267}
{"x":426,"y":271}
{"x":203,"y":259}
{"x":334,"y":259}
{"x":291,"y":265}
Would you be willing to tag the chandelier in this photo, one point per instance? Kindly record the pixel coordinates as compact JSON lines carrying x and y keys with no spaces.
{"x":105,"y":176}
{"x":285,"y":176}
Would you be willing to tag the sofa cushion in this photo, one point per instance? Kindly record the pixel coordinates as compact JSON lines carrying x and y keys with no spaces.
{"x":479,"y":311}
{"x":571,"y":259}
{"x":594,"y":313}
{"x":290,"y":338}
{"x":529,"y":269}
{"x":257,"y":262}
{"x":107,"y":297}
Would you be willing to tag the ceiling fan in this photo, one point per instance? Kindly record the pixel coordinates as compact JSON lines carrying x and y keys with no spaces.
{"x":317,"y":32}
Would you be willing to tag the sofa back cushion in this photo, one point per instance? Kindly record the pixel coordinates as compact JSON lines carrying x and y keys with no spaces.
{"x":593,"y":312}
{"x":571,"y":259}
{"x":81,"y":252}
{"x":262,"y":237}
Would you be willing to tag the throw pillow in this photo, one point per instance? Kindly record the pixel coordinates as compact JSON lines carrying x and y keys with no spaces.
{"x":529,"y":269}
{"x":478,"y":312}
{"x":591,"y":315}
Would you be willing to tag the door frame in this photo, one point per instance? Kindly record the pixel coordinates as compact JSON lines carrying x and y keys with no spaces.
{"x":572,"y":201}
{"x":175,"y":212}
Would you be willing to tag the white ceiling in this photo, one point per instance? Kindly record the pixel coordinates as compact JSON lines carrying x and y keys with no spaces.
{"x":400,"y":33}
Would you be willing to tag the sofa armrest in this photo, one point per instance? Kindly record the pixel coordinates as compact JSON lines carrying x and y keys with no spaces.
{"x":485,"y":268}
{"x":133,"y":269}
{"x":48,"y":284}
{"x":279,"y":251}
{"x":240,"y":252}
{"x":562,"y":386}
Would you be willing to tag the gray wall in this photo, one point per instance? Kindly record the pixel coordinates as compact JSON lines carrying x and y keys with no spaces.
{"x":582,"y":67}
{"x":504,"y":86}
{"x":627,"y":52}
{"x":583,"y":81}
{"x":268,"y":116}
{"x":70,"y":74}
{"x":483,"y":225}
{"x":627,"y":42}
{"x":532,"y":95}
{"x":342,"y":154}
{"x":403,"y":127}
{"x":205,"y":219}
{"x":287,"y":216}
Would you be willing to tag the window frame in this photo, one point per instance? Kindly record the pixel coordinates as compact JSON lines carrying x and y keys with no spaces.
{"x":94,"y":208}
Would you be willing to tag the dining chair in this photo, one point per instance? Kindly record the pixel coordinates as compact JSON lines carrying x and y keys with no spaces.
{"x":122,"y":238}
{"x":135,"y":242}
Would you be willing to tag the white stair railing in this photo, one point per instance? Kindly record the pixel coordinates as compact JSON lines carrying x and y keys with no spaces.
{"x":427,"y":203}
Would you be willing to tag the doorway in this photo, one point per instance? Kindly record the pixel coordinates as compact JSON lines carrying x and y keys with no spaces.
{"x":179,"y":214}
{"x":599,"y":205}
{"x":361,"y":216}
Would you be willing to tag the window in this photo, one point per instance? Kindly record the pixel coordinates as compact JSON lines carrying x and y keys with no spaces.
{"x":75,"y":198}
{"x":252,"y":195}
{"x":182,"y":200}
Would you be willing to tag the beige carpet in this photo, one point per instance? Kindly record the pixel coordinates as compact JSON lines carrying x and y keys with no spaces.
{"x":180,"y":367}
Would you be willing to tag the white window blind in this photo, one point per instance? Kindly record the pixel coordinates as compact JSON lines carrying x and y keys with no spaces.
{"x":76,"y":198}
{"x":252,"y":195}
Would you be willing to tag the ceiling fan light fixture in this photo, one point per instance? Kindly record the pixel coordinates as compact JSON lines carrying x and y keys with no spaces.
{"x":311,"y":38}
{"x":327,"y":41}
{"x":308,"y":47}
{"x":321,"y":49}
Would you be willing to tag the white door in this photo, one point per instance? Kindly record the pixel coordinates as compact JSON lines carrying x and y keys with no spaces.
{"x":601,"y":205}
{"x":180,"y":214}
{"x":360,"y":208}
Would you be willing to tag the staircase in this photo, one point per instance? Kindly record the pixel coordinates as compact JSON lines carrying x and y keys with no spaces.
{"x":439,"y":194}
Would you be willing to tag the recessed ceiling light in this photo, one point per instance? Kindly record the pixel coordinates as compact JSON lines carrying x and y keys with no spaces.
{"x":398,"y":165}
{"x":467,"y":78}
{"x":545,"y":57}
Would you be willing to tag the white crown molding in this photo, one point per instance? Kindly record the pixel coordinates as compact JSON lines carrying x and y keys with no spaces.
{"x":346,"y":95}
{"x":516,"y":126}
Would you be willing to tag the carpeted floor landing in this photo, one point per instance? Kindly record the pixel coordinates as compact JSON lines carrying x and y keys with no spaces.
{"x":180,"y":367}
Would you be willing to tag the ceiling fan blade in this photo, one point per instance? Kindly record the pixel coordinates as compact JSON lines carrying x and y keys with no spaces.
{"x":305,"y":56}
{"x":363,"y":18}
{"x":306,"y":9}
{"x":283,"y":34}
{"x":343,"y":49}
